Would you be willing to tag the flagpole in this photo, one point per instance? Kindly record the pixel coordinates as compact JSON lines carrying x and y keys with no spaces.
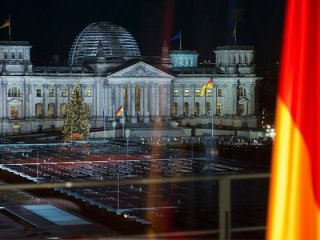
{"x":212,"y":112}
{"x":9,"y":28}
{"x":123,"y":127}
{"x":235,"y":32}
{"x":104,"y":126}
{"x":180,"y":39}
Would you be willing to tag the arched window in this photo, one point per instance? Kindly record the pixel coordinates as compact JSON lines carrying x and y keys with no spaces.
{"x":208,"y":108}
{"x":14,"y":113}
{"x":14,"y":92}
{"x":51,"y":110}
{"x":12,"y":55}
{"x":38,"y":110}
{"x":185,"y":109}
{"x":5,"y":55}
{"x":218,"y":109}
{"x":174,"y":109}
{"x":125,"y":99}
{"x":196,"y":109}
{"x":137,"y":100}
{"x":20,"y":55}
{"x":241,"y":109}
{"x":242,"y":92}
{"x":63,"y":109}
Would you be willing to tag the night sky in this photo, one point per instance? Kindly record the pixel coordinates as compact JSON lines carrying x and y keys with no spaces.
{"x":51,"y":26}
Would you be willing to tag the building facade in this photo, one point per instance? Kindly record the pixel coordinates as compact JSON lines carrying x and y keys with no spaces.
{"x":105,"y":62}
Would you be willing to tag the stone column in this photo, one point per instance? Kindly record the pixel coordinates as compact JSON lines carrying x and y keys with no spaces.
{"x":57,"y":110}
{"x":94,"y":95}
{"x":146,"y":117}
{"x":153,"y":102}
{"x":133,"y":104}
{"x":109,"y":101}
{"x":44,"y":100}
{"x":169,"y":102}
{"x":129,"y":99}
{"x":141,"y":89}
{"x":105,"y":101}
{"x":215,"y":98}
{"x":182,"y":94}
{"x":157,"y":100}
{"x":25,"y":99}
{"x":4,"y":100}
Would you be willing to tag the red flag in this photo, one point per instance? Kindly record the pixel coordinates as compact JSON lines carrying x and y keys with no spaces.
{"x":294,"y":204}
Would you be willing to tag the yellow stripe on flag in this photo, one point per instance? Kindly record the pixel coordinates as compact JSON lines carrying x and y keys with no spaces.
{"x":293,"y":213}
{"x":208,"y":85}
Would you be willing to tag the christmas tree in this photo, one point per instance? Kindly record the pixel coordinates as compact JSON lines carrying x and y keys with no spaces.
{"x":76,"y":126}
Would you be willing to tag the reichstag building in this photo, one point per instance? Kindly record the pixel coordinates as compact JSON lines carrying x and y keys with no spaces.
{"x":106,"y":63}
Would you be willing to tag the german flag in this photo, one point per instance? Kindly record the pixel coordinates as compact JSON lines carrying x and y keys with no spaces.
{"x":6,"y":23}
{"x":294,"y":200}
{"x":119,"y":111}
{"x":208,"y":85}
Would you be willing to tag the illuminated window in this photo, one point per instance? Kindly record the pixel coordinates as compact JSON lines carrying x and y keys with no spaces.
{"x":14,"y":92}
{"x":208,"y":108}
{"x":218,"y":109}
{"x":51,"y":110}
{"x":175,"y":92}
{"x":186,"y":92}
{"x":198,"y":91}
{"x":63,"y":109}
{"x":174,"y":109}
{"x":51,"y":92}
{"x":14,"y":112}
{"x":38,"y":93}
{"x":38,"y":110}
{"x":125,"y":97}
{"x":242,"y":92}
{"x":219,"y":92}
{"x":88,"y":92}
{"x":185,"y":109}
{"x":209,"y":92}
{"x":241,"y":109}
{"x":137,"y":96}
{"x":63,"y":92}
{"x":196,"y":109}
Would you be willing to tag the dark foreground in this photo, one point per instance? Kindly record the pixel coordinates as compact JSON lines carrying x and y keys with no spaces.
{"x":172,"y":208}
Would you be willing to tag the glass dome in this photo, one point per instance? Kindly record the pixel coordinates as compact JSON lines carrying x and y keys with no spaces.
{"x":117,"y":43}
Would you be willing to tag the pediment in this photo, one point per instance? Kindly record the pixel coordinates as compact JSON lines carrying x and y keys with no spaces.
{"x":15,"y":101}
{"x":141,"y":69}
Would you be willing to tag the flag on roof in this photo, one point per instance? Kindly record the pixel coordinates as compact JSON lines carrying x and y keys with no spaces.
{"x":176,"y":36}
{"x":294,"y":201}
{"x":6,"y":23}
{"x":208,"y":85}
